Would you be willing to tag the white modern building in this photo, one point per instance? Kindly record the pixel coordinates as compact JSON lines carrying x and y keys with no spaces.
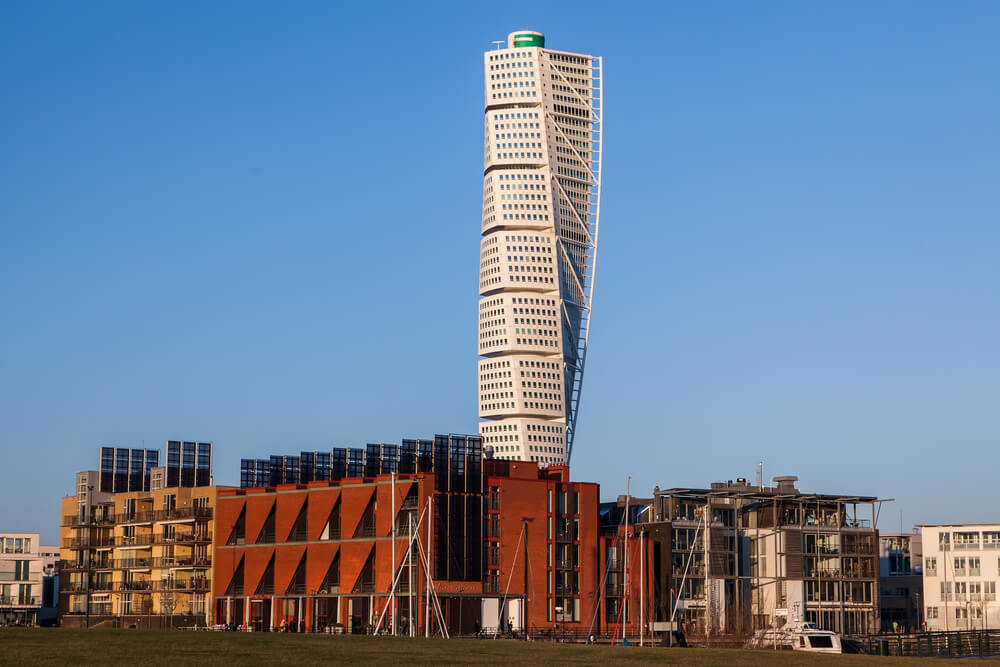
{"x":541,"y":207}
{"x":961,"y":571}
{"x":29,"y":592}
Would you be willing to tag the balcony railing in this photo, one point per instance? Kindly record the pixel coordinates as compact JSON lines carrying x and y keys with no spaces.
{"x":967,"y":546}
{"x":975,"y":596}
{"x":202,"y":513}
{"x":159,"y":538}
{"x":564,"y":536}
{"x":959,"y":571}
{"x":87,"y":543}
{"x":18,"y":601}
{"x":930,"y":572}
{"x":74,"y":587}
{"x":71,"y":520}
{"x":183,"y":585}
{"x":973,"y":571}
{"x":135,"y":586}
{"x":192,"y":561}
{"x":564,"y":564}
{"x":990,"y":597}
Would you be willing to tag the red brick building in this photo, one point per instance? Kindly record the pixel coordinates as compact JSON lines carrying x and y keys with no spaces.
{"x":320,"y":556}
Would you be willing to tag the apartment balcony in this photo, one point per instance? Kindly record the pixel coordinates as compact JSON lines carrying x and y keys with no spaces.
{"x":168,"y":585}
{"x":141,"y":541}
{"x":74,"y":587}
{"x":135,"y":518}
{"x":127,"y":541}
{"x":103,"y":587}
{"x":565,"y":564}
{"x":946,"y":597}
{"x":135,"y":586}
{"x":183,"y":514}
{"x":564,"y":536}
{"x":87,"y":543}
{"x":960,"y":597}
{"x":183,"y":562}
{"x":975,"y":597}
{"x":971,"y":546}
{"x":959,"y":571}
{"x":973,"y":571}
{"x":74,"y":521}
{"x":990,"y":597}
{"x":8,"y":601}
{"x":74,"y":566}
{"x":930,"y":572}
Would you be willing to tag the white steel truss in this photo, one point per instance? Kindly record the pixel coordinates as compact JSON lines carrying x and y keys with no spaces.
{"x":579,"y":333}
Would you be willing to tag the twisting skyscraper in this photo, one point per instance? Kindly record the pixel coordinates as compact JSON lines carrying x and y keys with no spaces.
{"x":541,"y":206}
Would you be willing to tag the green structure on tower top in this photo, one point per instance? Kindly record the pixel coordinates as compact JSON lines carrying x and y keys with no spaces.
{"x":524,"y":38}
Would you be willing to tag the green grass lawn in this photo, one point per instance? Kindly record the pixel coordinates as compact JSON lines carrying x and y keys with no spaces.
{"x":23,"y":646}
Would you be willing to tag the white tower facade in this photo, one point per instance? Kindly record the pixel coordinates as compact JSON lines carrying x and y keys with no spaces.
{"x":541,"y":212}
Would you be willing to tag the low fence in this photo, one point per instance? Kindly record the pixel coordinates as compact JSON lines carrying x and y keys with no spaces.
{"x":958,"y":644}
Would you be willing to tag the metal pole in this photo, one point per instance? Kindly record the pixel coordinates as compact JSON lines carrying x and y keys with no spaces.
{"x":524,"y":610}
{"x":642,"y":589}
{"x":409,"y":572}
{"x":392,"y":510}
{"x":427,"y":574}
{"x":628,"y":501}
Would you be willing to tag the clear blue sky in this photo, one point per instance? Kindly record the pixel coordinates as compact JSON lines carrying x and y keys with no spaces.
{"x":258,"y":224}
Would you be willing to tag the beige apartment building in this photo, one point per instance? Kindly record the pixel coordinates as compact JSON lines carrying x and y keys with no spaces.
{"x":27,"y":580}
{"x":138,"y":558}
{"x":961,"y":571}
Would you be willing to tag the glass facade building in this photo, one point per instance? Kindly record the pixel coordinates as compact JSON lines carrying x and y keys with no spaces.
{"x":189,"y":464}
{"x":123,"y":469}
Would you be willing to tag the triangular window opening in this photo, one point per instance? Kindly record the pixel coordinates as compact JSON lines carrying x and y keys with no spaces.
{"x":366,"y":527}
{"x":411,"y":499}
{"x":266,"y":585}
{"x":331,"y":582}
{"x":236,"y":583}
{"x":298,"y":532}
{"x":366,"y":579}
{"x":297,"y":585}
{"x":331,"y":531}
{"x":266,"y":535}
{"x":238,"y":535}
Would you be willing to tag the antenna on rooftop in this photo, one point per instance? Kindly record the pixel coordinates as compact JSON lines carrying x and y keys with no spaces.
{"x":498,"y":42}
